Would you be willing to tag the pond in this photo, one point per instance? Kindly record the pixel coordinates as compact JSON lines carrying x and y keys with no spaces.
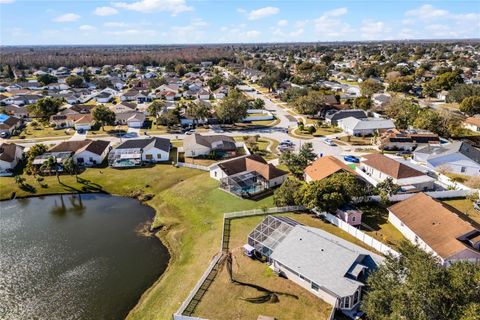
{"x":76,"y":257}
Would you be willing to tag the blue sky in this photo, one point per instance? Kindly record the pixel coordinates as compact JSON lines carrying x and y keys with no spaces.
{"x":37,"y":22}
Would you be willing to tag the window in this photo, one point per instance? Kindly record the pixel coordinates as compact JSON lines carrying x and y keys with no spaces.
{"x":416,"y":238}
{"x":159,"y":156}
{"x":315,"y":286}
{"x":148,"y":157}
{"x":356,"y":297}
{"x":353,"y":219}
{"x":90,"y":159}
{"x":347,"y":302}
{"x":463,"y":169}
{"x":80,"y":160}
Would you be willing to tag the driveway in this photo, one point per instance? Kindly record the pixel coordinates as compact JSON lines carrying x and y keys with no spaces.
{"x":79,"y":136}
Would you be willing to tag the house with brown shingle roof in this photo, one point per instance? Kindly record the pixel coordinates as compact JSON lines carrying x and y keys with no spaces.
{"x":324,"y":167}
{"x":472,"y":123}
{"x":436,"y":228}
{"x":247,"y":176}
{"x":84,"y":152}
{"x":10,"y":154}
{"x":380,"y":167}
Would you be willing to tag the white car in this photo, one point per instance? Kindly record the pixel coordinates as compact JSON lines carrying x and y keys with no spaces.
{"x":329,"y":142}
{"x":190,"y":132}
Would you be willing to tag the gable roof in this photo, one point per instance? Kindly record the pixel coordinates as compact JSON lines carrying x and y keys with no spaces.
{"x":159,"y":143}
{"x":367,"y":123}
{"x":251,"y":163}
{"x":462,"y":147}
{"x":473,"y":121}
{"x":7,"y":151}
{"x":70,"y":146}
{"x":436,"y":224}
{"x":97,"y":146}
{"x":221,"y":142}
{"x":326,"y":166}
{"x":390,"y":167}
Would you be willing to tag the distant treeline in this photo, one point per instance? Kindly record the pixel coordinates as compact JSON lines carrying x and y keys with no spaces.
{"x":74,"y":56}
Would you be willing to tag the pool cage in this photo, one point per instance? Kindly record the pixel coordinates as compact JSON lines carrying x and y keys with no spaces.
{"x":123,"y":158}
{"x":269,"y":233}
{"x":245,"y":184}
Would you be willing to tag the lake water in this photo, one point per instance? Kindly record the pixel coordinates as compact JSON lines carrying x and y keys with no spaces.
{"x":75,"y":257}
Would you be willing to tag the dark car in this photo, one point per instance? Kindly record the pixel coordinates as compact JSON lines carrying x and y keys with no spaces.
{"x":350,"y":158}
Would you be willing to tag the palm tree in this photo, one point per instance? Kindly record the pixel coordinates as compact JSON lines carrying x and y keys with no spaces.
{"x":51,"y":165}
{"x":71,"y":167}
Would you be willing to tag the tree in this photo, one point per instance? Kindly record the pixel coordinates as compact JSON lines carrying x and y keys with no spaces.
{"x":415,"y":286}
{"x":364,"y":103}
{"x":471,"y":105}
{"x":45,"y":107}
{"x":232,"y":108}
{"x":369,"y":87}
{"x":293,"y":93}
{"x":288,"y":193}
{"x":180,"y":70}
{"x":70,"y":167}
{"x":258,"y":104}
{"x":103,"y":115}
{"x":313,"y":103}
{"x":46,"y":79}
{"x":198,"y":110}
{"x":51,"y":165}
{"x":462,"y":91}
{"x":155,"y":108}
{"x":215,"y":82}
{"x":74,"y":81}
{"x":296,"y":163}
{"x":386,"y":189}
{"x":402,"y":111}
{"x":332,"y":192}
{"x":34,"y":151}
{"x":169,"y":118}
{"x":103,"y":83}
{"x":401,"y":84}
{"x":446,"y":80}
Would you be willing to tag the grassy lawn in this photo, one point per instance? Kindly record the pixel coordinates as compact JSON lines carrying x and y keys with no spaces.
{"x":466,"y":207}
{"x":189,"y":208}
{"x":376,"y":217}
{"x":320,"y":132}
{"x":298,"y":304}
{"x":357,"y":141}
{"x":263,"y":143}
{"x":41,"y":131}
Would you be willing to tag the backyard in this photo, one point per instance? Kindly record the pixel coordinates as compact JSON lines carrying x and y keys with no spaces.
{"x":189,"y":210}
{"x":357,"y":141}
{"x":466,"y":207}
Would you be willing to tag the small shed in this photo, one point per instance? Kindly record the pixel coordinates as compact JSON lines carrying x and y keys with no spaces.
{"x":350,"y":215}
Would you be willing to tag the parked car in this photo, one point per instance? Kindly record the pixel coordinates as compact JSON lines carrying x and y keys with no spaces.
{"x":190,"y":132}
{"x":476,"y":205}
{"x":287,"y":142}
{"x":351,"y":158}
{"x":4,"y":134}
{"x":80,"y":131}
{"x":329,"y":142}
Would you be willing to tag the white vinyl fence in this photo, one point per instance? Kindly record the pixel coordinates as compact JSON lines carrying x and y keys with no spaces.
{"x":193,"y":166}
{"x":360,"y":235}
{"x":434,"y":194}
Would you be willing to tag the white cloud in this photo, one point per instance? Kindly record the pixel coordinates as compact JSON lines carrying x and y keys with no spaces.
{"x":252,"y":34}
{"x":427,"y":12}
{"x":114,"y":24}
{"x":131,"y":32}
{"x":67,"y":17}
{"x":6,"y":1}
{"x":192,"y":32}
{"x":173,"y":6}
{"x":262,"y":13}
{"x":105,"y":11}
{"x":375,"y":30}
{"x":241,"y":10}
{"x":330,"y":24}
{"x":282,"y":23}
{"x":87,"y":27}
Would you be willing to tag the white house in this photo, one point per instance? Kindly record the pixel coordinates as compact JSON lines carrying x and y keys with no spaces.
{"x":365,"y":126}
{"x":133,"y":119}
{"x":325,"y":265}
{"x":84,"y":123}
{"x":10,"y":154}
{"x":201,"y":145}
{"x":135,"y":152}
{"x":457,"y":157}
{"x":380,"y":167}
{"x":472,"y":123}
{"x":84,"y":152}
{"x":436,"y":229}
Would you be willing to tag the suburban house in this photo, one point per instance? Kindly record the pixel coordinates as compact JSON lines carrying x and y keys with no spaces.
{"x":10,"y":154}
{"x":84,"y":123}
{"x":407,"y":140}
{"x":472,"y":123}
{"x":197,"y":145}
{"x":365,"y":126}
{"x":381,"y":99}
{"x":84,"y":152}
{"x":436,"y":228}
{"x":324,"y":167}
{"x":134,"y":95}
{"x":8,"y":123}
{"x":332,"y":118}
{"x":380,"y":167}
{"x":457,"y":157}
{"x":136,"y":152}
{"x":350,"y":215}
{"x":132,"y":119}
{"x":325,"y":265}
{"x":103,"y":97}
{"x":16,"y":111}
{"x":123,"y":107}
{"x":72,"y":120}
{"x":247,"y":176}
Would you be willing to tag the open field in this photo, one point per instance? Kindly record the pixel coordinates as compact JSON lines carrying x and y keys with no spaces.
{"x":189,"y":211}
{"x":297,"y":303}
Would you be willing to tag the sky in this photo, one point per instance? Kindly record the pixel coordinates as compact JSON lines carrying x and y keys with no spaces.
{"x":38,"y":22}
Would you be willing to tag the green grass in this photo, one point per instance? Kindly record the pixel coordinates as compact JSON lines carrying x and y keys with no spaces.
{"x":320,"y":132}
{"x":357,"y":141}
{"x":41,"y":131}
{"x":189,"y":208}
{"x":466,"y":207}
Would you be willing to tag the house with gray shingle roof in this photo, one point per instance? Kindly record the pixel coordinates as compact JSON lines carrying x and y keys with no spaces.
{"x":201,"y":145}
{"x":329,"y":267}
